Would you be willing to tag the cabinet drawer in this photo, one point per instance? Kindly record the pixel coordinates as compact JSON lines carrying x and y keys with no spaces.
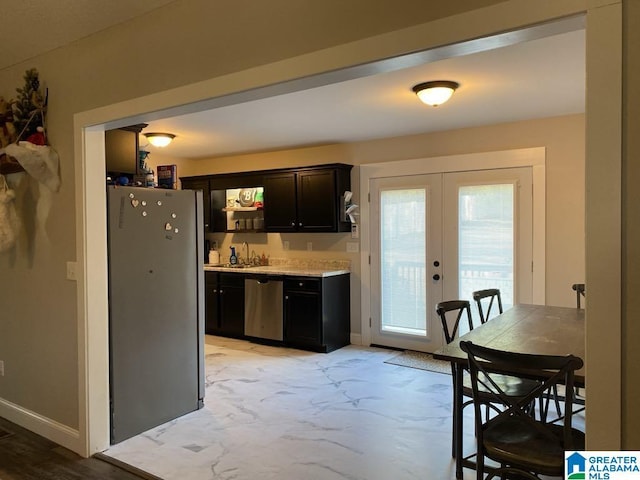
{"x":302,"y":283}
{"x":210,"y":278}
{"x":232,"y":280}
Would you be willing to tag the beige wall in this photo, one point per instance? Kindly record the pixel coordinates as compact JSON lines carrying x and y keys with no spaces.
{"x":631,"y":228}
{"x":563,"y":138}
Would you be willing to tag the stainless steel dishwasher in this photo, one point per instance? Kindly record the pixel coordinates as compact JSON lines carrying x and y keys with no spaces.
{"x":263,"y":307}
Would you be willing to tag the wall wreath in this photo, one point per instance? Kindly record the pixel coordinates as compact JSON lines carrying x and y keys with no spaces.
{"x":24,"y":146}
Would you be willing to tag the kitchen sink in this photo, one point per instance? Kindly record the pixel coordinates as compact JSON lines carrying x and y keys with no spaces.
{"x":237,"y":265}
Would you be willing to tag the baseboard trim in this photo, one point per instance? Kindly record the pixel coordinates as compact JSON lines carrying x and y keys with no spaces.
{"x":356,"y":339}
{"x":50,"y":429}
{"x":125,"y":466}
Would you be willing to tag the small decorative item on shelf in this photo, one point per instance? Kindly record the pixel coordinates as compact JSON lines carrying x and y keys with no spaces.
{"x":246,"y":196}
{"x":258,"y":200}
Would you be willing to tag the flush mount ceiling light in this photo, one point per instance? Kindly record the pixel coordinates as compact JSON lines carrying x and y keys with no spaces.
{"x":435,"y":93}
{"x":159,"y":139}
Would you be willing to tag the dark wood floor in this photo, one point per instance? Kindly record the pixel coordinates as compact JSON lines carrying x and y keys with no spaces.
{"x":27,"y":456}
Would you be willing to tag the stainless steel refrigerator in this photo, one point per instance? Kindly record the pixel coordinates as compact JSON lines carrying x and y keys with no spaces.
{"x":156,"y":307}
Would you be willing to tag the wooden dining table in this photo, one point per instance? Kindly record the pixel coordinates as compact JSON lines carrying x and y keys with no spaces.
{"x":536,"y":329}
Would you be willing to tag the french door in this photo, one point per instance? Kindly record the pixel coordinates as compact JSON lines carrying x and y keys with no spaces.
{"x":440,"y":237}
{"x":406,"y":249}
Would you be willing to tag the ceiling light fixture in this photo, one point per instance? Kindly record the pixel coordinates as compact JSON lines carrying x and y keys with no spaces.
{"x":159,"y":139}
{"x":435,"y":93}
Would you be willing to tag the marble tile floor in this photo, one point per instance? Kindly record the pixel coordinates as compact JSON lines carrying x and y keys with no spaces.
{"x":278,"y":413}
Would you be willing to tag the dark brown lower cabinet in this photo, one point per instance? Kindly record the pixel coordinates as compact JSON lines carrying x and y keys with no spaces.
{"x":211,"y":314}
{"x":317,"y":312}
{"x":224,"y":304}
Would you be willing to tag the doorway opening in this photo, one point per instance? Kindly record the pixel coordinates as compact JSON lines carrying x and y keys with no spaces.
{"x":93,"y":254}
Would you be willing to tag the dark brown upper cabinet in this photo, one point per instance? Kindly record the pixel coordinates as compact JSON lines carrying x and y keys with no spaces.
{"x":307,"y":200}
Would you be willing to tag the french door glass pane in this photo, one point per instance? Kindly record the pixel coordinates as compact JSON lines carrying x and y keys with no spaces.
{"x":486,"y":240}
{"x":402,"y":251}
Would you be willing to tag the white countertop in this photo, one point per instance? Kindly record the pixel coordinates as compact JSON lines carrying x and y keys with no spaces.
{"x":278,"y":270}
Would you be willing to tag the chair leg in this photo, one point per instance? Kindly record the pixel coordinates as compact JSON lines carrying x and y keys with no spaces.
{"x":453,"y":438}
{"x":453,"y":425}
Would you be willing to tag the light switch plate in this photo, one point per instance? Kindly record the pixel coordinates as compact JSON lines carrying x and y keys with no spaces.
{"x":285,"y":245}
{"x":355,"y":231}
{"x":71,"y":270}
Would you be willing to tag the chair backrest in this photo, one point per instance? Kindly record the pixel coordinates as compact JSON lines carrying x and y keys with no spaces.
{"x":547,"y":370}
{"x":580,"y":291}
{"x":459,"y":307}
{"x":479,"y":297}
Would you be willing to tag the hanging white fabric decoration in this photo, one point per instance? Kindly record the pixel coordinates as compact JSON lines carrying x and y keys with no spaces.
{"x":40,"y":161}
{"x":8,"y":216}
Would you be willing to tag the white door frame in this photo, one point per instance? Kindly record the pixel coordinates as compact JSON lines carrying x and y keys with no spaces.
{"x":526,"y":157}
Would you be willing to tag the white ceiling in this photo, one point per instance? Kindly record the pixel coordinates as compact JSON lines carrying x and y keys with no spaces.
{"x":534,"y":79}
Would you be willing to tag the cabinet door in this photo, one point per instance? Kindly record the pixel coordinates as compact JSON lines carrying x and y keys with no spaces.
{"x":303,"y":320}
{"x":212,"y":317}
{"x":317,"y":201}
{"x":203,"y":186}
{"x":232,"y":310}
{"x":280,"y":203}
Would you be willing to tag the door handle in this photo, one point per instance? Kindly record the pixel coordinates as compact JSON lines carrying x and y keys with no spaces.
{"x":436,"y":277}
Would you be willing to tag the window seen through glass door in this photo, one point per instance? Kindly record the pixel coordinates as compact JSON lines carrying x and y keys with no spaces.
{"x":403,"y":272}
{"x":486,"y":240}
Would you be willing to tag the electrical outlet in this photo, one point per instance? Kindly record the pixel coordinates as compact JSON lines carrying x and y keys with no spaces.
{"x":1,"y":368}
{"x":309,"y":246}
{"x":355,"y":231}
{"x":71,"y":270}
{"x":352,"y":247}
{"x":285,"y":245}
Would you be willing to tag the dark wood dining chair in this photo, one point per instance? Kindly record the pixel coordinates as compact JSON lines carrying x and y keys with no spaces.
{"x":579,"y":288}
{"x":524,"y":446}
{"x":485,"y":300}
{"x":451,"y":321}
{"x":452,"y":313}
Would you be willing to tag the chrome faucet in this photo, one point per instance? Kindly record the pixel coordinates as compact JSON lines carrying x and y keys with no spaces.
{"x":247,"y":259}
